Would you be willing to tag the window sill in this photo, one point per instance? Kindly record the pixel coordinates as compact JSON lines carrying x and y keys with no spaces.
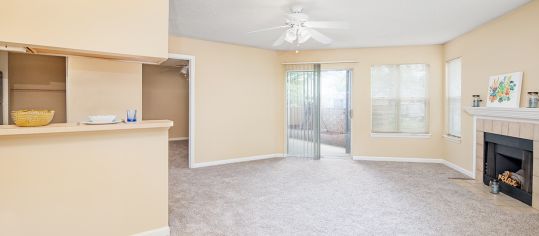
{"x":453,"y":139}
{"x":399,"y":135}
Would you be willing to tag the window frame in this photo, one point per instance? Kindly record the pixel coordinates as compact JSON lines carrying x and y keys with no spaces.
{"x":448,"y":135}
{"x":426,"y":133}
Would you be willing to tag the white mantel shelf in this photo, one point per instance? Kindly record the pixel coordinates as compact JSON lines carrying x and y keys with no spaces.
{"x":531,"y":114}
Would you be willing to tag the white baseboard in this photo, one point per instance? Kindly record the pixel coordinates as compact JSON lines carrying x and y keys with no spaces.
{"x":164,"y":231}
{"x":397,"y":159}
{"x":236,"y":160}
{"x":458,"y":168}
{"x":417,"y":160}
{"x":178,"y":139}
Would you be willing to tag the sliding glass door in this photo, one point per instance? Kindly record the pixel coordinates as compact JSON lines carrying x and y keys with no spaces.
{"x":335,"y":112}
{"x":318,"y":111}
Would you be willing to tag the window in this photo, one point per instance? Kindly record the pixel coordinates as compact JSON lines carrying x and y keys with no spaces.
{"x":399,"y":98}
{"x":453,"y":94}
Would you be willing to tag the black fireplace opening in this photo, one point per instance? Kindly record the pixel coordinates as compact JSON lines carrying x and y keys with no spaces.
{"x":510,"y":161}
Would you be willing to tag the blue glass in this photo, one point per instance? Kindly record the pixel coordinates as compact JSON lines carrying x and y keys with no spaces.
{"x":132,"y":115}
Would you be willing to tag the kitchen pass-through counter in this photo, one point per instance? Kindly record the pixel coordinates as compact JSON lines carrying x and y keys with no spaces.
{"x":78,"y":127}
{"x":76,"y":179}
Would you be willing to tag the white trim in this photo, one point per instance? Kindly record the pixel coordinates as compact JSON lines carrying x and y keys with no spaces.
{"x":192,"y":109}
{"x":507,"y":119}
{"x":459,"y":169}
{"x":164,"y":231}
{"x":236,"y":160}
{"x":495,"y":113}
{"x":178,"y":139}
{"x":399,"y":135}
{"x":6,"y":48}
{"x":397,"y":159}
{"x":474,"y":147}
{"x":452,"y":139}
{"x":337,"y":156}
{"x":318,"y":62}
{"x":416,"y":160}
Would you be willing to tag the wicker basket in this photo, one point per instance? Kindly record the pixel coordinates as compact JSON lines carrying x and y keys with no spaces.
{"x":32,"y":118}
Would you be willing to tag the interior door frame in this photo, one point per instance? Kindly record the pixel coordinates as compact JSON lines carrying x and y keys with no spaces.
{"x":192,"y":110}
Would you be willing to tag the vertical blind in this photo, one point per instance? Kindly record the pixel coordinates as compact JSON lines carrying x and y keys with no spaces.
{"x":399,"y":98}
{"x":453,"y":96}
{"x":303,"y":110}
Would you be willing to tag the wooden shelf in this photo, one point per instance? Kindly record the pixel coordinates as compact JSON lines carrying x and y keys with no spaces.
{"x":39,"y":90}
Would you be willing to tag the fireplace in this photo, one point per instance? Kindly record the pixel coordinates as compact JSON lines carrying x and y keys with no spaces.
{"x":510,"y":161}
{"x":519,"y":123}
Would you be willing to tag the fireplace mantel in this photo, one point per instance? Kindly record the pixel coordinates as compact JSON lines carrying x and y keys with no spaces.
{"x":530,"y":114}
{"x":513,"y":122}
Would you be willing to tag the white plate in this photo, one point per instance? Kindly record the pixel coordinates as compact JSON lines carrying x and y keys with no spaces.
{"x":101,"y":123}
{"x":102,"y":118}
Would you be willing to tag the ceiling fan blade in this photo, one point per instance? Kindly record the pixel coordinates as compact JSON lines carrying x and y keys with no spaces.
{"x":304,"y":35}
{"x":280,"y":40}
{"x":320,"y":37}
{"x":268,"y":29}
{"x":327,"y":24}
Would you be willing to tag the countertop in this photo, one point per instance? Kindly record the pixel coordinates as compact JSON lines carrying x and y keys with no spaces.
{"x":6,"y":130}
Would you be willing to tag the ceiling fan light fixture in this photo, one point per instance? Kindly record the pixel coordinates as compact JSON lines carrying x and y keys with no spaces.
{"x":299,"y":28}
{"x":290,"y":36}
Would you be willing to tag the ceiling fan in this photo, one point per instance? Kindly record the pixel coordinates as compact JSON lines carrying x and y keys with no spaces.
{"x":299,"y":28}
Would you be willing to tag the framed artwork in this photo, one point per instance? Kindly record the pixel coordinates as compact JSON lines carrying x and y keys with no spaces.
{"x":504,"y":90}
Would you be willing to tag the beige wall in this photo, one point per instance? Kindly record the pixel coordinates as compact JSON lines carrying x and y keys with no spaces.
{"x":239,"y":99}
{"x":165,"y":96}
{"x":98,"y":87}
{"x":105,"y":183}
{"x":362,"y":142}
{"x":38,"y":82}
{"x":507,"y":44}
{"x":123,"y":26}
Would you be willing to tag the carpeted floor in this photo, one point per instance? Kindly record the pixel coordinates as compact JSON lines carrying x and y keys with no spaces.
{"x":332,"y":197}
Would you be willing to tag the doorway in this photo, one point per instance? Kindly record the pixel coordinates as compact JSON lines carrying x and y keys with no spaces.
{"x":335,"y":113}
{"x":318,"y":111}
{"x":169,"y":93}
{"x":165,"y":96}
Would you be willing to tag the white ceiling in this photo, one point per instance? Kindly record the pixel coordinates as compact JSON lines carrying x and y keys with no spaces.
{"x":374,"y":23}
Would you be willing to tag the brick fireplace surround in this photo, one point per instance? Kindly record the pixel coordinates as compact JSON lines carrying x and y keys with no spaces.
{"x":505,"y":125}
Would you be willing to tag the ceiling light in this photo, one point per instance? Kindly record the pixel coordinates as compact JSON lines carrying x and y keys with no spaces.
{"x":290,"y":36}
